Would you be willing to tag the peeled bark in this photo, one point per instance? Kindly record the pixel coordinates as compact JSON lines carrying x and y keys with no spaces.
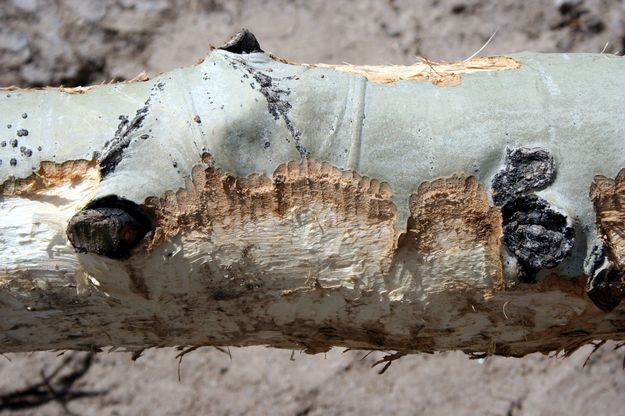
{"x":248,"y":200}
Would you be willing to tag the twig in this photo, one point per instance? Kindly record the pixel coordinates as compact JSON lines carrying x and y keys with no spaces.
{"x":388,"y":359}
{"x":483,"y":46}
{"x":182,"y":354}
{"x":596,"y":347}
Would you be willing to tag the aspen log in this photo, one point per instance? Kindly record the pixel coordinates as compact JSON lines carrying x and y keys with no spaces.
{"x":247,"y":200}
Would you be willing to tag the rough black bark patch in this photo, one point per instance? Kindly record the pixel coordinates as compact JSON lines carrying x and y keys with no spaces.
{"x":242,"y":42}
{"x":538,"y":234}
{"x":277,"y":102}
{"x":113,"y":153}
{"x":110,"y":226}
{"x":524,"y":170}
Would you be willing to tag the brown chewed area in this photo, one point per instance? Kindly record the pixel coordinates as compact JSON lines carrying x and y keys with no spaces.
{"x":327,"y":227}
{"x":443,"y":74}
{"x":213,"y":198}
{"x":50,"y":175}
{"x":452,"y":217}
{"x":608,"y":196}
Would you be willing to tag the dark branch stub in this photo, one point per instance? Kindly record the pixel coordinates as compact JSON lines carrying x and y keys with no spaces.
{"x":606,"y":289}
{"x":606,"y":283}
{"x":109,"y":226}
{"x":242,"y":42}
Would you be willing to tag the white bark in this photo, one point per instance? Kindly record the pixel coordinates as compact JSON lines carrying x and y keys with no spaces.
{"x":265,"y":232}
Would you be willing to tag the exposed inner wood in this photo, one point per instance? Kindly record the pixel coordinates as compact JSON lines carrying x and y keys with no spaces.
{"x":454,"y":214}
{"x":50,"y":175}
{"x":443,"y":74}
{"x":214,"y":197}
{"x":608,"y":196}
{"x":306,"y":259}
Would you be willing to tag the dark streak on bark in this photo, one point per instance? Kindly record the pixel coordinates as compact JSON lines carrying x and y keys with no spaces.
{"x":277,"y":103}
{"x":113,"y":153}
{"x":138,"y":282}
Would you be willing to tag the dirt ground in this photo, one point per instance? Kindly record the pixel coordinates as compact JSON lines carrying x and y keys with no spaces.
{"x":78,"y":42}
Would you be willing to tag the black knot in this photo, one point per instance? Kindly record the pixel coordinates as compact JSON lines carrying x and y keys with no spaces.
{"x":109,"y":226}
{"x":242,"y":42}
{"x":606,"y":288}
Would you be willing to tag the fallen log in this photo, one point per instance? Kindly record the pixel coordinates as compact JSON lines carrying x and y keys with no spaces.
{"x":248,"y":200}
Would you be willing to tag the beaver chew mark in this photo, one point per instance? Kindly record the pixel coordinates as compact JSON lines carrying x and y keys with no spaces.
{"x":51,"y":175}
{"x":242,"y":42}
{"x":606,"y":289}
{"x":606,"y":286}
{"x":214,"y":199}
{"x":525,"y":170}
{"x":451,"y":217}
{"x":608,"y":197}
{"x":110,"y":226}
{"x":537,"y":233}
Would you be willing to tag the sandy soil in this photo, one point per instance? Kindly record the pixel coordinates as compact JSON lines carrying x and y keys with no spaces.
{"x":78,"y":42}
{"x":260,"y":381}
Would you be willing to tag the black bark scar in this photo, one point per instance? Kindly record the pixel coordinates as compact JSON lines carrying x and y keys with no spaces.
{"x":538,"y":234}
{"x":114,"y":149}
{"x":277,"y":103}
{"x":524,"y":170}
